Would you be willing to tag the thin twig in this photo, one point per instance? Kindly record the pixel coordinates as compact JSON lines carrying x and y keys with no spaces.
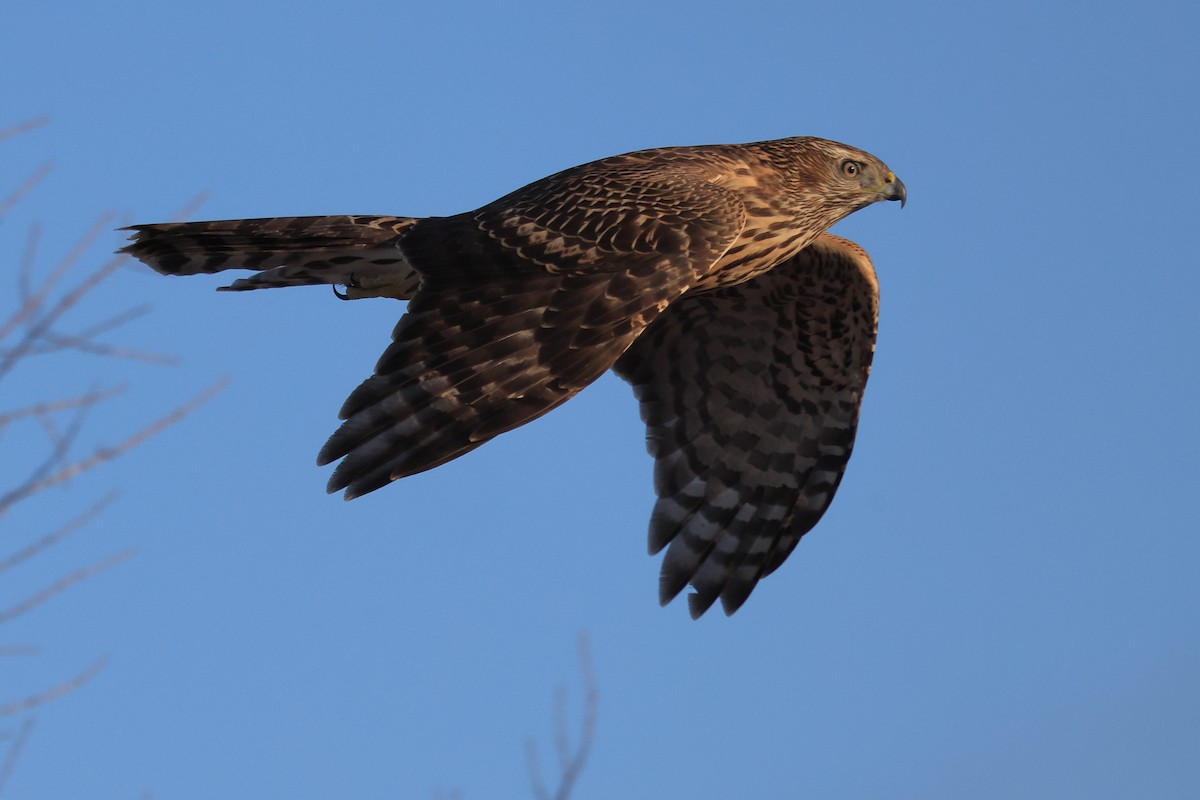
{"x":14,"y":751}
{"x":23,"y":127}
{"x":58,"y":534}
{"x":570,"y":764}
{"x":60,"y":447}
{"x":113,"y":322}
{"x":562,"y":742}
{"x":190,"y":207}
{"x":56,"y":343}
{"x":66,"y":687}
{"x":39,"y":175}
{"x":18,"y":650}
{"x":37,"y":329}
{"x":535,"y":771}
{"x":62,"y":584}
{"x":59,"y":450}
{"x":109,"y":453}
{"x":84,"y":341}
{"x":25,"y":273}
{"x":37,"y":300}
{"x":65,"y":404}
{"x":61,"y":442}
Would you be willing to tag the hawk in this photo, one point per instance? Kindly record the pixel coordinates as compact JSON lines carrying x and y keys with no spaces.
{"x":701,"y":275}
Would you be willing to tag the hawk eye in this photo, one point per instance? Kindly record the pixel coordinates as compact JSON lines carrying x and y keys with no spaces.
{"x":850,"y":168}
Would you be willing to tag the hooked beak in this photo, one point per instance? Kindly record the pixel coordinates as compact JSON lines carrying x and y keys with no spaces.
{"x":893,"y":189}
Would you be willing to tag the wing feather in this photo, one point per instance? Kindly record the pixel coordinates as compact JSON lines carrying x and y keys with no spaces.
{"x":522,"y":304}
{"x":751,"y":394}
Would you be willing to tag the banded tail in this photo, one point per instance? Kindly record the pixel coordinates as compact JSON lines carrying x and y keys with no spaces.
{"x":358,"y":252}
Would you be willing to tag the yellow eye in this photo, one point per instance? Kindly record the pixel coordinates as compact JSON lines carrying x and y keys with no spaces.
{"x":850,"y":168}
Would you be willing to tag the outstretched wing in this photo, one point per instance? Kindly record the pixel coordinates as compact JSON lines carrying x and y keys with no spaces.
{"x":522,"y":304}
{"x":751,"y":396}
{"x":356,"y":251}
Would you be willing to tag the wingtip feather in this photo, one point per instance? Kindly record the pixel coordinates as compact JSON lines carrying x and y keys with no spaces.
{"x":698,"y":603}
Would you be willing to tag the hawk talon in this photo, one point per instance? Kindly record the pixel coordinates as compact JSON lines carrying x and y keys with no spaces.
{"x":352,"y":283}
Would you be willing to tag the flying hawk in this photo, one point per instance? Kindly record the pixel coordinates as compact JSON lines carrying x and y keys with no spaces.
{"x":702,"y":275}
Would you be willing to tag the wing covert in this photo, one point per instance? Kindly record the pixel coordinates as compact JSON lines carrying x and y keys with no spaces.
{"x":522,"y":304}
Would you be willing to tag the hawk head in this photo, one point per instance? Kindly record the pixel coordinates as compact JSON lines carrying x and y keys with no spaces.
{"x":839,"y":177}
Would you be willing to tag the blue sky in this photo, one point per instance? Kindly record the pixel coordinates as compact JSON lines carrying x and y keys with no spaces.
{"x":1001,"y":601}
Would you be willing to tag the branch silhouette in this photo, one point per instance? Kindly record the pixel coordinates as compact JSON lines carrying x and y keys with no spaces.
{"x":571,"y":760}
{"x":52,"y":318}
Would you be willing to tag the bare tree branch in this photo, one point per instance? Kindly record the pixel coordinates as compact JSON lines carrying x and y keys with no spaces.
{"x":190,"y":207}
{"x":109,"y":453}
{"x":60,"y":444}
{"x":54,"y":406}
{"x":36,"y":301}
{"x":66,"y":687}
{"x":10,"y":650}
{"x":25,"y":188}
{"x":36,"y":327}
{"x":14,"y":751}
{"x":62,"y":584}
{"x":56,"y":342}
{"x":84,"y":341}
{"x":25,"y":273}
{"x":535,"y":771}
{"x":562,"y":744}
{"x":571,"y":763}
{"x":58,"y":534}
{"x":23,"y":127}
{"x":59,"y":451}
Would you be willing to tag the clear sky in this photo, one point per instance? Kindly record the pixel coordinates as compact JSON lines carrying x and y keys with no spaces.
{"x":1001,"y":602}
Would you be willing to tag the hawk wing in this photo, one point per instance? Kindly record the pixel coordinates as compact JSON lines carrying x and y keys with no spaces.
{"x":522,"y":304}
{"x":751,"y":396}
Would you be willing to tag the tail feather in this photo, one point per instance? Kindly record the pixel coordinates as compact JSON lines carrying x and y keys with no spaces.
{"x":359,"y":252}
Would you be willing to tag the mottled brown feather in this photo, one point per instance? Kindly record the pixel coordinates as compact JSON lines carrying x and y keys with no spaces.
{"x":494,"y":339}
{"x":751,"y":394}
{"x":745,"y":330}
